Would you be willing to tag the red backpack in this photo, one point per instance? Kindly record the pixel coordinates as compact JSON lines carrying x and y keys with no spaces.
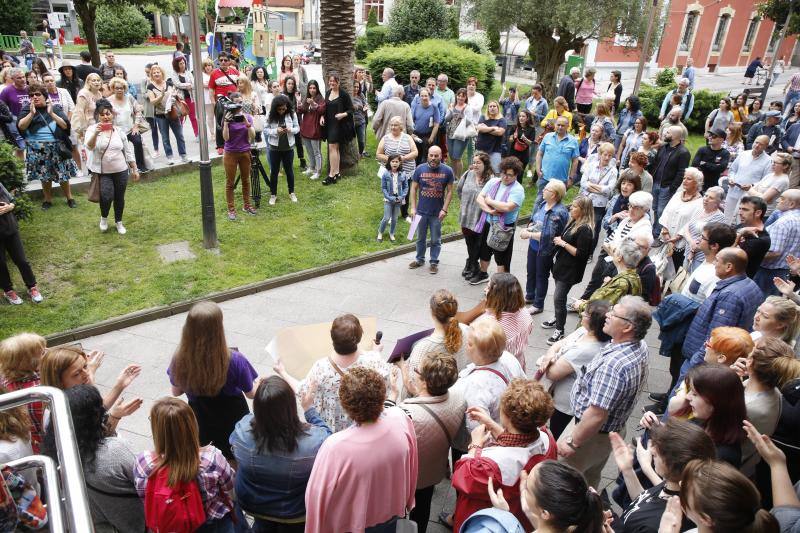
{"x":177,"y":509}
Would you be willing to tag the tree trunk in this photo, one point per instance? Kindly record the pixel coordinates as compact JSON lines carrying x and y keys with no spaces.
{"x":87,"y":13}
{"x":177,"y":20}
{"x":548,"y":56}
{"x":337,"y":40}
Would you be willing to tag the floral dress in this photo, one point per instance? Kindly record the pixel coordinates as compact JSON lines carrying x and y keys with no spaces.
{"x":328,"y":379}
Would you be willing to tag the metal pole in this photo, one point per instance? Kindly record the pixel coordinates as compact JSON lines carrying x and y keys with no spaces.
{"x":206,"y":186}
{"x":80,"y":518}
{"x":768,"y":82}
{"x":645,"y":55}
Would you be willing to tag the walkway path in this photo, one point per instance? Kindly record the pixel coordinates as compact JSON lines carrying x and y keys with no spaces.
{"x":387,"y":290}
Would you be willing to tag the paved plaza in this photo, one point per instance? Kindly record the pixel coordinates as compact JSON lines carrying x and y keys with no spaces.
{"x":388,"y":290}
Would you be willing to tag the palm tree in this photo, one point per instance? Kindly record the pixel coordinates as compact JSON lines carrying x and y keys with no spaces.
{"x":338,"y":39}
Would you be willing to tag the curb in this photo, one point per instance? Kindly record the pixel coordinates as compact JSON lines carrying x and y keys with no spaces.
{"x":165,"y":311}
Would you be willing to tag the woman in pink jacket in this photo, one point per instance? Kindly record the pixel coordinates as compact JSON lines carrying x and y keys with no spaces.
{"x":312,"y":108}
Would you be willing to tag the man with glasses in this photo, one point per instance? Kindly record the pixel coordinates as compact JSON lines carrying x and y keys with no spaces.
{"x":443,"y":91}
{"x":222,"y":82}
{"x":557,"y":158}
{"x":606,"y":390}
{"x":784,"y":241}
{"x":15,"y":96}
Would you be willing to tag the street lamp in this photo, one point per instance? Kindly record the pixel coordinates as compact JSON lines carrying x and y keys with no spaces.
{"x":206,"y":186}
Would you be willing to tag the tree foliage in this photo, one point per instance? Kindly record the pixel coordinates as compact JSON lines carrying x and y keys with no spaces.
{"x":17,"y":15}
{"x":372,"y":18}
{"x":414,"y":20}
{"x":12,"y":176}
{"x":575,"y":21}
{"x":776,"y":10}
{"x":121,"y":27}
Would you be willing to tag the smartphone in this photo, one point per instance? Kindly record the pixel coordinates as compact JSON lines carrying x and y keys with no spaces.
{"x":106,"y":126}
{"x":378,"y":337}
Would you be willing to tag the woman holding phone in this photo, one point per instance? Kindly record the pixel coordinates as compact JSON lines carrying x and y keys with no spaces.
{"x":112,"y":159}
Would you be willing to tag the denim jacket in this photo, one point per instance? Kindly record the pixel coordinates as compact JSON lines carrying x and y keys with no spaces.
{"x":554,"y":223}
{"x":273,"y":484}
{"x":626,"y":120}
{"x":386,"y":186}
{"x":292,"y":124}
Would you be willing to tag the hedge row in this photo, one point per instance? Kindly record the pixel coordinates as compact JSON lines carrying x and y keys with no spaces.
{"x":432,"y":56}
{"x":705,"y":102}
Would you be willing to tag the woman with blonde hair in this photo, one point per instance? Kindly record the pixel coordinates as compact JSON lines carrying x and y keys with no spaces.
{"x":178,"y":460}
{"x":448,"y":336}
{"x":214,"y":378}
{"x":771,"y":186}
{"x":603,"y":117}
{"x":560,"y":109}
{"x":83,"y":114}
{"x":599,"y":176}
{"x":128,"y":118}
{"x":777,"y":317}
{"x":16,"y":440}
{"x":251,"y":104}
{"x":733,"y":142}
{"x":20,"y":358}
{"x":505,"y":302}
{"x":208,"y":97}
{"x":491,"y":129}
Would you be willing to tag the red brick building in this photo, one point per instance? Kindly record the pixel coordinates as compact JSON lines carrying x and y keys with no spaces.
{"x":723,"y":35}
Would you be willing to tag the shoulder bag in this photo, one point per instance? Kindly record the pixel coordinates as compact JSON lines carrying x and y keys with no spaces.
{"x":93,"y":194}
{"x":499,"y":234}
{"x":465,"y":130}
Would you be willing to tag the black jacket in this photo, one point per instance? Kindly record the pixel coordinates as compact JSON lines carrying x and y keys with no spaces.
{"x":712,"y":164}
{"x":566,"y":88}
{"x":675,"y":165}
{"x":43,"y":120}
{"x":569,"y":268}
{"x":6,"y":118}
{"x":8,"y":222}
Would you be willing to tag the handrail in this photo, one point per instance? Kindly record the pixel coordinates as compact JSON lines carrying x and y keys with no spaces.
{"x":80,"y":518}
{"x":55,"y":514}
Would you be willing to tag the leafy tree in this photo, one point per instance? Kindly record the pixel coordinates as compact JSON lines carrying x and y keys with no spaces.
{"x":120,"y":27}
{"x":414,"y":20}
{"x":17,"y":15}
{"x":372,"y":18}
{"x":776,"y":10}
{"x":574,"y":21}
{"x":12,"y":176}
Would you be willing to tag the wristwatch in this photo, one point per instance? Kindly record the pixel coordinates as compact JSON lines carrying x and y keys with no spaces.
{"x":570,"y":444}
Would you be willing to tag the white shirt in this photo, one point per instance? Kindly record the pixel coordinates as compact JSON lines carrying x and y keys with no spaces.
{"x":701,"y":282}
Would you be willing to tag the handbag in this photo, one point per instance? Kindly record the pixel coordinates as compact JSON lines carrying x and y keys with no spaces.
{"x":178,"y":110}
{"x":519,"y":146}
{"x":465,"y":130}
{"x":93,"y":194}
{"x":500,"y":235}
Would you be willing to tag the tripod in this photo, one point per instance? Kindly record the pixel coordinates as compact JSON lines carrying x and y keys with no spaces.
{"x":256,"y":169}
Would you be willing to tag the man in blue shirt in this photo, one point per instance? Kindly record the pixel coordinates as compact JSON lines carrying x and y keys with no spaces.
{"x":733,"y":302}
{"x":387,"y":89}
{"x":689,"y":73}
{"x":426,"y":124}
{"x":433,"y":181}
{"x":557,"y":158}
{"x":500,"y":199}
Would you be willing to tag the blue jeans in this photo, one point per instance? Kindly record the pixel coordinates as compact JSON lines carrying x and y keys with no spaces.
{"x":539,"y":267}
{"x":435,"y":225}
{"x":661,"y":196}
{"x":361,"y":135}
{"x":220,"y":525}
{"x":390,"y":213}
{"x":164,"y":125}
{"x":764,"y":277}
{"x":495,"y":158}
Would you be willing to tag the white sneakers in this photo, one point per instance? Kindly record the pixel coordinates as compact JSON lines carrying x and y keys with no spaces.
{"x":272,"y":200}
{"x":315,"y":176}
{"x":121,"y":229}
{"x":103,"y":224}
{"x":293,"y":197}
{"x":308,"y":171}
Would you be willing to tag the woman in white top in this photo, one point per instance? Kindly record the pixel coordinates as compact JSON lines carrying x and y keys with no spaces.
{"x":598,"y":179}
{"x":260,"y":80}
{"x":773,"y":184}
{"x":183,"y":82}
{"x":565,"y":358}
{"x":326,"y":374}
{"x":684,"y":207}
{"x":128,"y":117}
{"x":208,"y":101}
{"x":251,"y":104}
{"x":448,"y":336}
{"x":112,"y":158}
{"x":721,"y":117}
{"x":15,"y":438}
{"x":274,"y":90}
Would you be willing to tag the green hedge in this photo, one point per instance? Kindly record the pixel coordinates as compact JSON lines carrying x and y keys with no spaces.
{"x":374,"y":38}
{"x":12,"y":176}
{"x":121,"y":26}
{"x":705,"y":102}
{"x":433,"y":56}
{"x":414,"y":20}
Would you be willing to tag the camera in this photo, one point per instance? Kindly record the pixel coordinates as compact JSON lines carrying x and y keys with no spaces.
{"x":238,"y":118}
{"x":232,"y":107}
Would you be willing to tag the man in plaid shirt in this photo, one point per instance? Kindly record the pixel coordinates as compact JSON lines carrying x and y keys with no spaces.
{"x":784,"y":235}
{"x":606,"y":390}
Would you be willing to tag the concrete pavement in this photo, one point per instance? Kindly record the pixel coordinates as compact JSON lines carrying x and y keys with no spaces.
{"x":388,"y":290}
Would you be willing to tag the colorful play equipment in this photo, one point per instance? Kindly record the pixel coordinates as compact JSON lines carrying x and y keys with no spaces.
{"x":242,"y":28}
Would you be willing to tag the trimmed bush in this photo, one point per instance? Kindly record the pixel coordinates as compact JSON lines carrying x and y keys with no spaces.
{"x":373,"y":38}
{"x":12,"y":176}
{"x":414,"y":20}
{"x":432,"y":56}
{"x":121,"y":26}
{"x":705,"y":102}
{"x":372,"y":18}
{"x":666,"y":78}
{"x":361,"y":47}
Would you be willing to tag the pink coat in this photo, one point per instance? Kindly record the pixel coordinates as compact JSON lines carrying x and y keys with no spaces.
{"x":363,"y":476}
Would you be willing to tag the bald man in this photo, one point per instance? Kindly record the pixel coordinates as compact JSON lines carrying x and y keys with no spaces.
{"x":784,"y":236}
{"x":668,"y":168}
{"x":733,"y":302}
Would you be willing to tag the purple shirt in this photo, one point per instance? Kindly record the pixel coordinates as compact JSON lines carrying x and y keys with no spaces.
{"x":15,"y":98}
{"x":237,"y":136}
{"x":241,"y":374}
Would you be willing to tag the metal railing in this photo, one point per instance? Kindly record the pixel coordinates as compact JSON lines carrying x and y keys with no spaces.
{"x":69,"y":476}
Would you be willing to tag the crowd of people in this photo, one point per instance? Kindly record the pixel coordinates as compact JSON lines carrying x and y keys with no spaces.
{"x":704,"y":244}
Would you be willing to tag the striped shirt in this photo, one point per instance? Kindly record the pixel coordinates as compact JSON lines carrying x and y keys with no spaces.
{"x":517,"y":327}
{"x":214,"y":479}
{"x":401,"y":146}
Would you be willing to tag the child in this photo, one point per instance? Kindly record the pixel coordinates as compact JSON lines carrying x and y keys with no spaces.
{"x":394,"y":184}
{"x":49,"y":50}
{"x":20,"y":358}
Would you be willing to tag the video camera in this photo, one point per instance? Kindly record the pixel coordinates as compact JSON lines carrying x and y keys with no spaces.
{"x":232,"y":108}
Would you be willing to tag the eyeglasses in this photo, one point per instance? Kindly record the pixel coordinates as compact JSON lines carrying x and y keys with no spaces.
{"x":37,"y":94}
{"x":703,"y":238}
{"x":611,"y":313}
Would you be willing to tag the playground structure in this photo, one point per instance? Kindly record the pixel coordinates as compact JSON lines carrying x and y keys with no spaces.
{"x":242,"y":28}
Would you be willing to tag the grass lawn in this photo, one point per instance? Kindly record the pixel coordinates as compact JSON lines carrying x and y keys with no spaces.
{"x":137,"y":49}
